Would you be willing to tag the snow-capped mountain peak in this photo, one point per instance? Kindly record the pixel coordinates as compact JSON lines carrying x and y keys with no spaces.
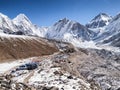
{"x":6,"y":24}
{"x":102,"y":16}
{"x":100,"y":20}
{"x":25,"y":26}
{"x":112,"y":32}
{"x":20,"y":25}
{"x":114,"y":25}
{"x":21,"y":18}
{"x":63,"y":22}
{"x":68,"y":30}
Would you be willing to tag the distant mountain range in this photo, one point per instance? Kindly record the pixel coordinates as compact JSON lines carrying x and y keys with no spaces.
{"x":20,"y":25}
{"x":69,"y":56}
{"x":101,"y":29}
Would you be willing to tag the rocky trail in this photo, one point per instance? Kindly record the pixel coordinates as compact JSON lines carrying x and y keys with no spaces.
{"x":68,"y":69}
{"x":50,"y":74}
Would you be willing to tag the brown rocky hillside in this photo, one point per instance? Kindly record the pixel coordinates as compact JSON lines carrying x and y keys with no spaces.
{"x":18,"y":47}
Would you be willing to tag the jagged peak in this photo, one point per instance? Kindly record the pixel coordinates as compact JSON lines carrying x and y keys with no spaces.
{"x":102,"y":16}
{"x":101,"y":20}
{"x":64,"y":20}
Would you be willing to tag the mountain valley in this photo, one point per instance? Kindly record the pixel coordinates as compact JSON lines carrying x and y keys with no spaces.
{"x":64,"y":56}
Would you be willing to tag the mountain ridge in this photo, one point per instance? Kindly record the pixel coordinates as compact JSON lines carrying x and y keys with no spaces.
{"x":68,"y":58}
{"x":64,"y":29}
{"x":101,"y":20}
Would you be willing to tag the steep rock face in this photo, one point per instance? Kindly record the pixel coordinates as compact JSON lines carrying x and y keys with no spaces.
{"x":66,"y":29}
{"x":100,"y":20}
{"x":16,"y":47}
{"x":113,"y":40}
{"x":99,"y":23}
{"x":112,"y":32}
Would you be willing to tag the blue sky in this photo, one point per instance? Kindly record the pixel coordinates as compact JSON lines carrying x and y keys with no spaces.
{"x":47,"y":12}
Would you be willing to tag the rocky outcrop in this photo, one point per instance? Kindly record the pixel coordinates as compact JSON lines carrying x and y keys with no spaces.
{"x":7,"y":84}
{"x":98,"y":66}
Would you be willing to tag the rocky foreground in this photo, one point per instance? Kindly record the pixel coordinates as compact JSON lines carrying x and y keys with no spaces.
{"x":50,"y":74}
{"x":56,"y":65}
{"x":70,"y":69}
